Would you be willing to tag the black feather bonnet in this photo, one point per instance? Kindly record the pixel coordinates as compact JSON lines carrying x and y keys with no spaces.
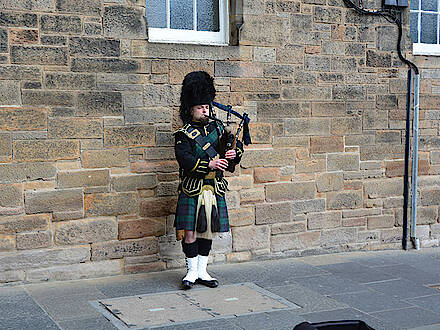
{"x":197,"y":88}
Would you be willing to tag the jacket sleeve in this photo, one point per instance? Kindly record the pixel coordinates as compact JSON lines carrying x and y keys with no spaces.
{"x":186,"y":159}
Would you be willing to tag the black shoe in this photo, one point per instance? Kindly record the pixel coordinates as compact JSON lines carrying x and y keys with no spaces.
{"x":186,"y":285}
{"x":209,"y":284}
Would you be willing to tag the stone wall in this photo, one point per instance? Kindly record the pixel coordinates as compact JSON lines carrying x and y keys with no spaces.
{"x":88,"y":177}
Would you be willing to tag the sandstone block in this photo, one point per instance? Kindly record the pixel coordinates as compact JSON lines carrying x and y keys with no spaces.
{"x":264,"y":54}
{"x":86,"y":231}
{"x":24,"y":223}
{"x":167,"y":166}
{"x":148,"y":115}
{"x":306,"y":206}
{"x":252,"y":195}
{"x":179,"y":68}
{"x":308,"y":126}
{"x":141,"y":228}
{"x":129,"y":136}
{"x":346,"y":126}
{"x":43,"y":258}
{"x":344,"y":200}
{"x":343,"y":162}
{"x":126,"y":248}
{"x":317,"y":63}
{"x":344,"y":64}
{"x":74,"y":179}
{"x":133,"y":182}
{"x":241,"y":217}
{"x":34,"y":240}
{"x":49,"y":150}
{"x":18,"y":72}
{"x":266,"y":110}
{"x":264,"y":175}
{"x":307,"y":93}
{"x":99,"y":104}
{"x":331,"y":219}
{"x":287,"y":228}
{"x":233,"y":200}
{"x":158,"y":207}
{"x":273,"y":213}
{"x":76,"y":271}
{"x":101,"y":65}
{"x":430,"y":197}
{"x":238,"y":256}
{"x":349,"y":93}
{"x":59,"y":200}
{"x":104,"y":158}
{"x":11,"y":198}
{"x":376,"y":59}
{"x":21,"y":36}
{"x":393,"y":235}
{"x":10,"y":92}
{"x":10,"y":173}
{"x":381,"y":221}
{"x":354,"y":222}
{"x":62,"y":80}
{"x":7,"y":243}
{"x":61,"y":24}
{"x":327,"y":14}
{"x":254,"y":85}
{"x":261,"y":133}
{"x":74,"y":128}
{"x":110,"y":203}
{"x":167,"y":188}
{"x":86,"y":7}
{"x":91,"y":47}
{"x":329,"y":182}
{"x":160,"y":95}
{"x":382,"y":152}
{"x":51,"y":98}
{"x":16,"y":19}
{"x":124,"y":22}
{"x":383,"y":188}
{"x":339,"y":236}
{"x":268,"y":157}
{"x":310,"y":165}
{"x":40,"y":55}
{"x":290,"y":191}
{"x":264,"y":31}
{"x":250,"y":238}
{"x":22,"y":119}
{"x":290,"y":54}
{"x":297,"y":241}
{"x":326,"y":144}
{"x":240,"y":182}
{"x":5,"y":146}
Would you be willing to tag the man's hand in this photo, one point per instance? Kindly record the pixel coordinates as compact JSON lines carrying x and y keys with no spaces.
{"x":230,"y":154}
{"x":218,"y":164}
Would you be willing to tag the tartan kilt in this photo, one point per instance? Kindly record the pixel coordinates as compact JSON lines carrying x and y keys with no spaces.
{"x":187,"y":208}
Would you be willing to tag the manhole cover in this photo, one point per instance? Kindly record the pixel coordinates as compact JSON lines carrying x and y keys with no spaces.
{"x":178,"y":307}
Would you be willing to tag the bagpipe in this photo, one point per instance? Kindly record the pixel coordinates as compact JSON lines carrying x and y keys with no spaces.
{"x":228,"y":140}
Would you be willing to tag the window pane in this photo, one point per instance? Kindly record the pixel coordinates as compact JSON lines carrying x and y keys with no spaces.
{"x":181,"y":14}
{"x":413,"y":20}
{"x":207,"y":15}
{"x":157,"y":13}
{"x":414,"y":4}
{"x":430,"y":5}
{"x":429,"y":29}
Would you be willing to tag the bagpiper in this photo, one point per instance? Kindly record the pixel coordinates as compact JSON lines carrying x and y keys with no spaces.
{"x":201,"y":207}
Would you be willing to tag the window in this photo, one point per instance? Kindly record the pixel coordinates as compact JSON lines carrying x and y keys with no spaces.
{"x":188,"y":21}
{"x":424,"y":26}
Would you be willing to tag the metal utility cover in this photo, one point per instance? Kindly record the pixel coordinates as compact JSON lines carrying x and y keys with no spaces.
{"x":178,"y":307}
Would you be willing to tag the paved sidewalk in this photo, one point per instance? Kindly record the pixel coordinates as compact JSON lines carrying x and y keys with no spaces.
{"x":386,"y":289}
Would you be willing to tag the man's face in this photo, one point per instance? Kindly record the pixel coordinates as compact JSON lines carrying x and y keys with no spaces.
{"x":199,"y":112}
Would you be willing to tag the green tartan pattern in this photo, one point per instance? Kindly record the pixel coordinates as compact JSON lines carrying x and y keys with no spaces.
{"x":212,"y":138}
{"x":187,"y":208}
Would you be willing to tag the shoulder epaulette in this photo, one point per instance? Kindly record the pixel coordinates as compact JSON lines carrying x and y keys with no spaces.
{"x":183,"y":129}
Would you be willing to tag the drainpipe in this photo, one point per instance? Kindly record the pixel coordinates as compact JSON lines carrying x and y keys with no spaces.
{"x":407,"y":151}
{"x":414,"y":238}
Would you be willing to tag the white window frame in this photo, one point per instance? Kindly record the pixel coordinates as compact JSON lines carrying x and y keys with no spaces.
{"x":168,"y":35}
{"x":420,"y":48}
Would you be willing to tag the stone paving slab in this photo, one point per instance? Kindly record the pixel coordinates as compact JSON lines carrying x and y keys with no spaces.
{"x":330,"y":284}
{"x":138,"y":312}
{"x":402,"y":289}
{"x":409,"y":317}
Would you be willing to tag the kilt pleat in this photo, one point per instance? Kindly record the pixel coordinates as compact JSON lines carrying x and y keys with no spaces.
{"x":187,"y":208}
